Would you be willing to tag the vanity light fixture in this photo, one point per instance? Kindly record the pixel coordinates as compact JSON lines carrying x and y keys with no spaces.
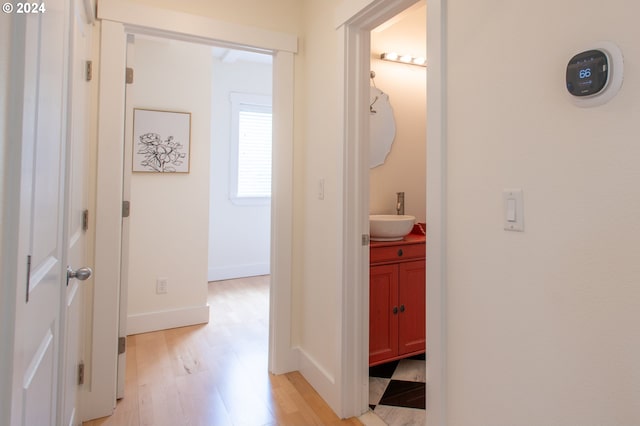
{"x":405,"y":59}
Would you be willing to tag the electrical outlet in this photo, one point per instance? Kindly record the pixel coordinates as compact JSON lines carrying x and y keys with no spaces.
{"x":162,"y":285}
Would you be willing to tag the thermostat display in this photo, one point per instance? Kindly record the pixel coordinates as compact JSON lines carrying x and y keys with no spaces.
{"x":587,"y":73}
{"x":594,"y":76}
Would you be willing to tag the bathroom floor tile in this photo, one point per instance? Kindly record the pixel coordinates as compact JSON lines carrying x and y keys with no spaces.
{"x":397,"y":391}
{"x":410,"y":370}
{"x":400,"y":416}
{"x":383,"y":370}
{"x":404,"y":394}
{"x":377,"y":386}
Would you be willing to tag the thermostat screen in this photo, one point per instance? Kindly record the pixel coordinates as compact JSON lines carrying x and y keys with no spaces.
{"x":587,"y":73}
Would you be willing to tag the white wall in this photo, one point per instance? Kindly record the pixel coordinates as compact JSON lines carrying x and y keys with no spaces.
{"x":316,"y":298}
{"x":170,"y":212}
{"x":275,"y":15}
{"x":405,"y":167}
{"x":239,"y":235}
{"x":541,"y":325}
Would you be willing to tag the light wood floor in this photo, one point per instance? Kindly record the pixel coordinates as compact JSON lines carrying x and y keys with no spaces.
{"x":216,"y":374}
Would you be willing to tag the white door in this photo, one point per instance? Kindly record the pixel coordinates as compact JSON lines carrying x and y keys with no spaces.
{"x":77,"y":204}
{"x":38,"y":80}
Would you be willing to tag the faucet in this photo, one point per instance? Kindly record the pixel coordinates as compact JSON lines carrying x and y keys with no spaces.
{"x":400,"y":203}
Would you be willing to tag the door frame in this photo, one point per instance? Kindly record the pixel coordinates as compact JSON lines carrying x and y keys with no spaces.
{"x":119,"y":19}
{"x":81,"y":33}
{"x":355,"y":22}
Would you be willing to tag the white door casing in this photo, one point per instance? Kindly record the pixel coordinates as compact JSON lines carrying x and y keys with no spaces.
{"x":126,"y":196}
{"x":77,"y":170}
{"x":355,"y":25}
{"x":99,"y":393}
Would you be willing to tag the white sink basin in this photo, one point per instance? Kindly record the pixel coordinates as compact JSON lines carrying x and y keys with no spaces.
{"x":390,"y":227}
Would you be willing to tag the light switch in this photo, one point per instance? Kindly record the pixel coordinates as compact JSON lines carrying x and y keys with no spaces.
{"x":320,"y":188}
{"x":513,"y":210}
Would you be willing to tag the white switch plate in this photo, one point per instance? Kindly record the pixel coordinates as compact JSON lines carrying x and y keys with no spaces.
{"x":162,"y":285}
{"x":513,"y":209}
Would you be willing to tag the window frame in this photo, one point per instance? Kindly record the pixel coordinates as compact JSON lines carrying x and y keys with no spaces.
{"x":256,"y":101}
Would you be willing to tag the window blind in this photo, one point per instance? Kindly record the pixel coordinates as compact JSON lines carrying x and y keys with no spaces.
{"x":254,"y":151}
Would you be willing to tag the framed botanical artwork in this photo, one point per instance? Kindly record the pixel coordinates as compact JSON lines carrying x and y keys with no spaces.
{"x":161,"y":141}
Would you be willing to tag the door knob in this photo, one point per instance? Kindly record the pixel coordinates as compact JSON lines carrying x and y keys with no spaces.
{"x":80,"y":274}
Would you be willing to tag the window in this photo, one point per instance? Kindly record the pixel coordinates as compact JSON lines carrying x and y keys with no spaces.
{"x":250,"y":149}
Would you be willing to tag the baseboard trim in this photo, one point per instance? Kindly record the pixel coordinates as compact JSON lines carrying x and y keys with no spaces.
{"x":238,"y":271}
{"x":163,"y":320}
{"x":320,"y":379}
{"x":283,"y":362}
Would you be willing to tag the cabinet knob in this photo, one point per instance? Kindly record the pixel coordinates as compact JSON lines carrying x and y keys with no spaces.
{"x":401,"y":308}
{"x":400,"y":252}
{"x":395,"y":310}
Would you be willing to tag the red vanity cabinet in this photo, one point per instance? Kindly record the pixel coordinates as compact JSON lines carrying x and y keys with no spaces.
{"x":397,"y":297}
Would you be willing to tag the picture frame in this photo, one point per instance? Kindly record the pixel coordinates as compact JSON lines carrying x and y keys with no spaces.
{"x":161,"y":141}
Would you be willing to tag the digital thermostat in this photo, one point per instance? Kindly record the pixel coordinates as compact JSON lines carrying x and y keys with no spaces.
{"x":587,"y":73}
{"x":594,"y":76}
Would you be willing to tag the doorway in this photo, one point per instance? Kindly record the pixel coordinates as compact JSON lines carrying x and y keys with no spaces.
{"x":240,"y":166}
{"x":226,"y":95}
{"x":218,"y":90}
{"x":118,"y":22}
{"x":357,"y":26}
{"x":397,"y":386}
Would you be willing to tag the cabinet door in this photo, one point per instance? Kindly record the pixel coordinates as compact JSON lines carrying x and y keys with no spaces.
{"x":412,"y":300}
{"x":383,"y":322}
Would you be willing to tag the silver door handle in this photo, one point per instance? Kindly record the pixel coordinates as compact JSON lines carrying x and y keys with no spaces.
{"x":80,"y":274}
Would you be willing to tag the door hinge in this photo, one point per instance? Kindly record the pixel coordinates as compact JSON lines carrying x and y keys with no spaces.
{"x":365,"y":239}
{"x":85,"y":220}
{"x":28,"y":277}
{"x":88,"y":71}
{"x":129,"y":75}
{"x":126,"y":208}
{"x":122,"y":345}
{"x":81,"y":373}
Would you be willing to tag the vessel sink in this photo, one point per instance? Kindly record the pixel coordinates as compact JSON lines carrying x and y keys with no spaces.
{"x":390,"y":227}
